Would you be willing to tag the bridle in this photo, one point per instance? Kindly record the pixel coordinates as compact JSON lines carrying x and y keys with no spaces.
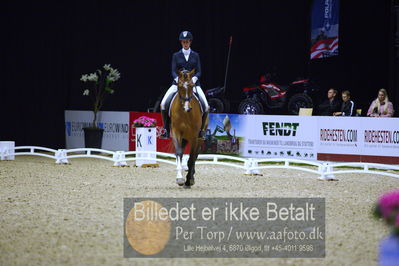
{"x":185,"y":100}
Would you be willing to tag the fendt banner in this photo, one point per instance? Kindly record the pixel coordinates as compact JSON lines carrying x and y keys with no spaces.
{"x":351,"y":139}
{"x":280,"y":137}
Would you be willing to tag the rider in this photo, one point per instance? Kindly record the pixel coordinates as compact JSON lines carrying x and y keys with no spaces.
{"x":185,"y":59}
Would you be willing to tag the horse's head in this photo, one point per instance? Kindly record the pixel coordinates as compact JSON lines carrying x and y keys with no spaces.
{"x":185,"y":88}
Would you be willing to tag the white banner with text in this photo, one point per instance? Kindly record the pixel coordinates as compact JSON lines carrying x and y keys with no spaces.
{"x":355,"y":139}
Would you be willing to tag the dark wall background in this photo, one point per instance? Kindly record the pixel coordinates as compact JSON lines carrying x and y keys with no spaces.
{"x":46,"y":47}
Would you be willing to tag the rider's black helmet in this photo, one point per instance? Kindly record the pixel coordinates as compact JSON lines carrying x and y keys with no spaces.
{"x":185,"y":35}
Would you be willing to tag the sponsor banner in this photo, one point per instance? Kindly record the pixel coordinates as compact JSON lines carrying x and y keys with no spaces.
{"x":380,"y":139}
{"x":324,"y":26}
{"x":352,"y":139}
{"x":115,"y":125}
{"x":224,"y":134}
{"x":360,"y":139}
{"x":339,"y":135}
{"x":292,"y":137}
{"x":224,"y":228}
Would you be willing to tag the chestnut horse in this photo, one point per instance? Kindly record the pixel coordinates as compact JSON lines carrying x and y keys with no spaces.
{"x":186,"y":120}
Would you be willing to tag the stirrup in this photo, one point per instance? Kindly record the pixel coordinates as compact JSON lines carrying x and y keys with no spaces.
{"x":166,"y":127}
{"x":165,"y":135}
{"x":201,"y":134}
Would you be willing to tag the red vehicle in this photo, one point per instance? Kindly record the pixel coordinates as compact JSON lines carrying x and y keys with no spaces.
{"x":270,"y":97}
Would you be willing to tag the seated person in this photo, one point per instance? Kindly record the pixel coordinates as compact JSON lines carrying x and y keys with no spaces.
{"x":347,"y":107}
{"x":381,"y":107}
{"x":331,"y":105}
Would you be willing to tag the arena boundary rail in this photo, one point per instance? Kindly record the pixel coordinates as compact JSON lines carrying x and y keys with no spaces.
{"x":251,"y":166}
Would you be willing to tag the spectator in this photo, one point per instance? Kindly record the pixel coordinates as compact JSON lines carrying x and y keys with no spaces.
{"x":381,"y":107}
{"x":347,"y":107}
{"x":331,"y":105}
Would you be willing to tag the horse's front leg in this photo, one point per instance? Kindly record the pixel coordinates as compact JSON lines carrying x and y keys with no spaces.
{"x":179,"y":167}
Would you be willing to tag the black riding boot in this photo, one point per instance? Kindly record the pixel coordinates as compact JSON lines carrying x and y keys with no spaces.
{"x":166,"y":124}
{"x":203,"y":129}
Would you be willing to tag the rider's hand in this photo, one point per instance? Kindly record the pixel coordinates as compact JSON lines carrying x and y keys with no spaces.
{"x":194,"y":79}
{"x":176,"y":79}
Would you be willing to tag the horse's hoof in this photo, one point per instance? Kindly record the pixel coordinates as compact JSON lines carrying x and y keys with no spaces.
{"x":190,"y":182}
{"x":180,"y":181}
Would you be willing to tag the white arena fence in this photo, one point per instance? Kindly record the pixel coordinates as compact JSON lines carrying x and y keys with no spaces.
{"x":251,"y":166}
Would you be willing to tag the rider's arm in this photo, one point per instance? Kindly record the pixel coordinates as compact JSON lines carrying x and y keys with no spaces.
{"x":198,"y":67}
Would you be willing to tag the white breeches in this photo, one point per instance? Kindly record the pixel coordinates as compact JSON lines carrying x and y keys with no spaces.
{"x":173,"y":89}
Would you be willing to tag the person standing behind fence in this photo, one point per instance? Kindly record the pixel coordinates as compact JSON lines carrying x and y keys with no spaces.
{"x":381,"y":107}
{"x":347,"y":107}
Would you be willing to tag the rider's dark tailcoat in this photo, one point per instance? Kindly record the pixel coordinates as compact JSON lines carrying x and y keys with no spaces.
{"x":179,"y":62}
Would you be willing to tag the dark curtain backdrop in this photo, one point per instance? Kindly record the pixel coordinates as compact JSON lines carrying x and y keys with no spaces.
{"x":47,"y":46}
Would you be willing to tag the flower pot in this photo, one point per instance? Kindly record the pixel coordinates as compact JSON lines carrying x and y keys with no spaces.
{"x":389,"y":250}
{"x":93,"y":137}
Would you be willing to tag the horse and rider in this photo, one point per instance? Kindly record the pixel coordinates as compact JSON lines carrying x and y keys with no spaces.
{"x":188,"y":116}
{"x":184,"y":60}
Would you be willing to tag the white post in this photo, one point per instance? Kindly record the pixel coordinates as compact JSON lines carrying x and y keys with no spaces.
{"x":146,"y":140}
{"x":255,"y":171}
{"x":7,"y":150}
{"x":119,"y":158}
{"x":248,"y":165}
{"x":326,"y":168}
{"x":61,"y":156}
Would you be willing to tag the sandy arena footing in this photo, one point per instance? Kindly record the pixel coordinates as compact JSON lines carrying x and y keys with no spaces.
{"x":73,"y":214}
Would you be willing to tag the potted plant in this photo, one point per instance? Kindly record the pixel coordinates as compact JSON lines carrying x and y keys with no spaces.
{"x":387,"y":209}
{"x":100,"y":86}
{"x":144,"y":121}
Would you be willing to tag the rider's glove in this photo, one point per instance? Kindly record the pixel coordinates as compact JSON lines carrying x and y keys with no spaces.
{"x":194,"y":79}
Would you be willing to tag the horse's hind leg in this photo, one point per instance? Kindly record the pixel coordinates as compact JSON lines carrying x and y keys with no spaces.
{"x":191,"y":163}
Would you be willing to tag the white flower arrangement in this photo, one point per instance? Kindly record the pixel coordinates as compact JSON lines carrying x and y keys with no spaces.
{"x":102,"y":81}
